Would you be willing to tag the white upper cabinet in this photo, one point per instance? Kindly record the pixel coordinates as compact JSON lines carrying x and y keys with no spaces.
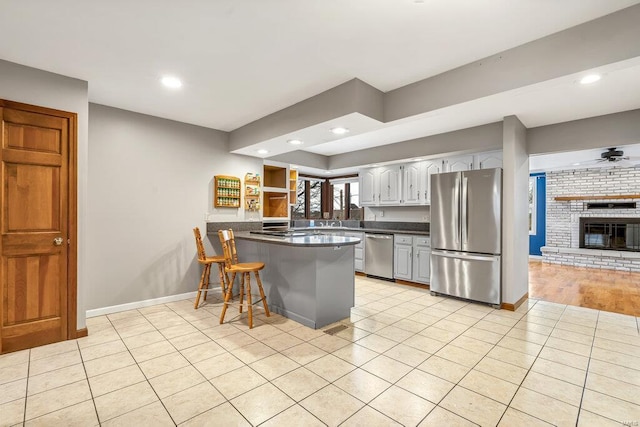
{"x":459,"y":163}
{"x":489,"y":160}
{"x":412,"y":184}
{"x":390,"y":185}
{"x":428,"y":168}
{"x":369,"y":187}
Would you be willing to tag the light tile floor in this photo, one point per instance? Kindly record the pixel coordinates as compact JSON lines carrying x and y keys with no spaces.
{"x":406,"y":358}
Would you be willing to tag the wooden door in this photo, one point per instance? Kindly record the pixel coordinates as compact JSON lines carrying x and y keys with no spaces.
{"x":35,"y":226}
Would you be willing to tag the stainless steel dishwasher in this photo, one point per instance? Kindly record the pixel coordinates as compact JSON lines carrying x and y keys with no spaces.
{"x":378,"y":260}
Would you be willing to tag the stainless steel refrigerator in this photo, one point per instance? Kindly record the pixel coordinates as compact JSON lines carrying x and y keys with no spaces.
{"x":466,"y":238}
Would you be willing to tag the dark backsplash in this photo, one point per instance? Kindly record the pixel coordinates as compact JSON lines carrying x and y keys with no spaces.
{"x":378,"y":225}
{"x":213,"y":227}
{"x":393,"y":225}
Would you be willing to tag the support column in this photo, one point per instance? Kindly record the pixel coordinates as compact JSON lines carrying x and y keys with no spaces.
{"x":515,"y":213}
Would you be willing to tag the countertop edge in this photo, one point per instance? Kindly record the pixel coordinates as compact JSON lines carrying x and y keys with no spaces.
{"x":291,"y":241}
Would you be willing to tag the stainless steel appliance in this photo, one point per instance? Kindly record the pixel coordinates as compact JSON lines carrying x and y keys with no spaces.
{"x":466,"y":236}
{"x":378,"y":260}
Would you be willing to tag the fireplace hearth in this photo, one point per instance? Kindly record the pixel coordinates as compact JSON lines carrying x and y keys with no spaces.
{"x":616,"y":234}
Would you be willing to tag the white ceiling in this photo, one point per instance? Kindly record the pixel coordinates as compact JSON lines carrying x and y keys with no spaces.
{"x":241,"y":60}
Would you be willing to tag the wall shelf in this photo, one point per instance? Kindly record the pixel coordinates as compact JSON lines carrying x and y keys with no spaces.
{"x":612,"y":197}
{"x":252,"y":192}
{"x":293,"y":186}
{"x":226,"y":191}
{"x":275,"y":191}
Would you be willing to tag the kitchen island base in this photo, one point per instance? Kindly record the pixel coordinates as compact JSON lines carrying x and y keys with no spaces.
{"x":312,"y":285}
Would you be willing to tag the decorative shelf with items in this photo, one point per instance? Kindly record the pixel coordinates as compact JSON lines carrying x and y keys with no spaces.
{"x":226,"y":191}
{"x":275,"y":191}
{"x":252,"y":192}
{"x":293,"y":186}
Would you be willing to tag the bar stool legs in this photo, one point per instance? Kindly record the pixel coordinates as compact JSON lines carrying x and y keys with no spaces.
{"x":264,"y":298}
{"x":203,"y":287}
{"x":245,"y":287}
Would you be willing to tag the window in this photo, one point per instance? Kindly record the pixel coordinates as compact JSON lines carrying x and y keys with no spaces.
{"x":308,"y":199}
{"x":338,"y":198}
{"x":355,"y":210}
{"x":339,"y":201}
{"x":315,"y":199}
{"x":532,"y":204}
{"x":297,"y":212}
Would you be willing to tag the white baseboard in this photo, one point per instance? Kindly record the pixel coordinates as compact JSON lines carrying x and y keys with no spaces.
{"x":139,"y":304}
{"x":536,"y":257}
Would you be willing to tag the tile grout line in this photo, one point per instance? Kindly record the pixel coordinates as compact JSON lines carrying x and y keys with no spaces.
{"x":84,"y":368}
{"x":26,"y":390}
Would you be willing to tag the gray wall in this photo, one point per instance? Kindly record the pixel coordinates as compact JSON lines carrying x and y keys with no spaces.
{"x":471,"y":140}
{"x":610,"y":130}
{"x":148,"y":189}
{"x":37,"y":87}
{"x":515,"y":211}
{"x":605,"y":40}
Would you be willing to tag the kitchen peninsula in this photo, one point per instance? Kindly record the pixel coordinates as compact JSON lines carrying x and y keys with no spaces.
{"x":308,"y":277}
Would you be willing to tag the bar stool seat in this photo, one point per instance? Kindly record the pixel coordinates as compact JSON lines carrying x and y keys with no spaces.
{"x":245,"y":269}
{"x":207,"y":261}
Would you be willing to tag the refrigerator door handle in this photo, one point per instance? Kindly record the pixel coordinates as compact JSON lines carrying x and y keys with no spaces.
{"x":464,"y":220}
{"x":456,"y":196}
{"x":459,"y":255}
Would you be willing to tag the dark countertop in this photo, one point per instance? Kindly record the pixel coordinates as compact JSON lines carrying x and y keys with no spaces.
{"x":311,"y":240}
{"x":391,"y":228}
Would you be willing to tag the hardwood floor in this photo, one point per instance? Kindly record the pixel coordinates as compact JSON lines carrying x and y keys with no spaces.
{"x":606,"y":290}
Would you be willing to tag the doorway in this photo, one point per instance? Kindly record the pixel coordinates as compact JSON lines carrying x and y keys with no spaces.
{"x":38,"y":242}
{"x":537,"y":213}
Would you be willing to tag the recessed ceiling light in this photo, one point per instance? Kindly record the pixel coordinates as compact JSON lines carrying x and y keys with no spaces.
{"x":171,"y":82}
{"x":591,"y":78}
{"x":339,"y":130}
{"x":576,"y":164}
{"x":375,"y":165}
{"x":417,"y":159}
{"x":327,"y":171}
{"x":294,"y":166}
{"x":295,"y":142}
{"x":263,"y":151}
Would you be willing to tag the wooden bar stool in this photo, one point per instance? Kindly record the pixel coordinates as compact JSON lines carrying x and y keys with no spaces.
{"x":203,"y":259}
{"x":231,"y":265}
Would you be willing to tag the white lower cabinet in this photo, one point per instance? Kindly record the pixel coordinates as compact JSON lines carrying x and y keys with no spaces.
{"x":421,"y":259}
{"x":411,"y":258}
{"x":402,"y":256}
{"x":359,"y":250}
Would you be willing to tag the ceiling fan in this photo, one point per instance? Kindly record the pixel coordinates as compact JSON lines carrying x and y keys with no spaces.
{"x":615,"y":157}
{"x":612,"y":155}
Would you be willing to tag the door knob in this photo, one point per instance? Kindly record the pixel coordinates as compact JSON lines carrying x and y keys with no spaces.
{"x":58,"y":241}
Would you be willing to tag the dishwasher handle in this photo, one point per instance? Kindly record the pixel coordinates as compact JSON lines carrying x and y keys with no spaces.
{"x":378,"y":236}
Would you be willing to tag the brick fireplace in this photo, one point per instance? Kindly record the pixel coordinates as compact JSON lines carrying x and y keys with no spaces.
{"x":593,"y":218}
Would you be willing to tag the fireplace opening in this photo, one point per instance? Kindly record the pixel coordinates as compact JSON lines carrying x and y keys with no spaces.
{"x":616,"y":234}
